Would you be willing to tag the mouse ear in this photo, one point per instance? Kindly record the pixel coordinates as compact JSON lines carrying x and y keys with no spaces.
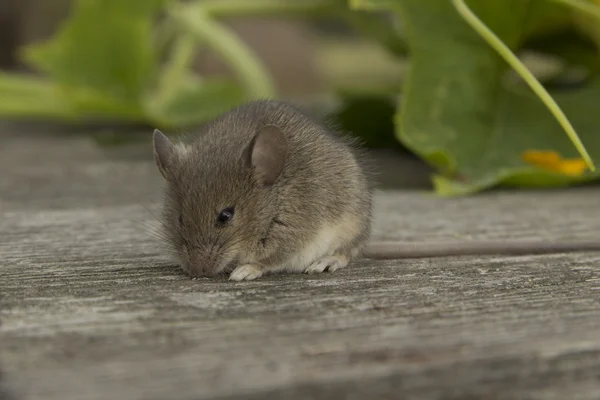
{"x":163,"y":152}
{"x":267,"y":153}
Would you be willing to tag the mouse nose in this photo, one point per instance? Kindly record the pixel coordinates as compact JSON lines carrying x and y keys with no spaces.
{"x":199,"y":270}
{"x":200,"y":265}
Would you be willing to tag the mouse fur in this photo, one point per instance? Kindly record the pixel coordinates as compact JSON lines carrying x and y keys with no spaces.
{"x":264,"y":188}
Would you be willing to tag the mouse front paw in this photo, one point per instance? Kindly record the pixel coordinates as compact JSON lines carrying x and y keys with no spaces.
{"x":246,"y":272}
{"x":330,"y":264}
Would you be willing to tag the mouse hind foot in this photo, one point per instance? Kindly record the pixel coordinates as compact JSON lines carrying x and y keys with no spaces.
{"x":340,"y":258}
{"x":330,"y":264}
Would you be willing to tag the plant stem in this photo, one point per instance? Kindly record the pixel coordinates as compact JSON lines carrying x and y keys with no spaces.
{"x":246,"y":65}
{"x":369,"y":25}
{"x":228,"y":8}
{"x":175,"y":71}
{"x":527,"y":76}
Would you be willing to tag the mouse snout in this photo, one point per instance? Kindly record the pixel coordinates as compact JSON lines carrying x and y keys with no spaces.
{"x":201,"y":264}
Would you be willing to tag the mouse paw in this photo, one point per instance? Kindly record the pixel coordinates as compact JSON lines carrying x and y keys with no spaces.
{"x":330,"y":264}
{"x":246,"y":272}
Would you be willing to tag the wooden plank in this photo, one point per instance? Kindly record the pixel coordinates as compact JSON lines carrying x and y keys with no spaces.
{"x":91,"y":309}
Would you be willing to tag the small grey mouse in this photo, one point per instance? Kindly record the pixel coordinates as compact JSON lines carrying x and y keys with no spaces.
{"x":266,"y":188}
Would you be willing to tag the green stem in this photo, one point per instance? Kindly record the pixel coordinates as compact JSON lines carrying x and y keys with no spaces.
{"x":527,"y":76}
{"x":246,"y":65}
{"x":364,"y":22}
{"x":227,"y":8}
{"x":164,"y":34}
{"x":175,"y":71}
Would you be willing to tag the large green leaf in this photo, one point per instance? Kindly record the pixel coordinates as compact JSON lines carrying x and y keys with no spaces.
{"x":449,"y":107}
{"x":105,"y":47}
{"x":523,"y":123}
{"x":457,"y":112}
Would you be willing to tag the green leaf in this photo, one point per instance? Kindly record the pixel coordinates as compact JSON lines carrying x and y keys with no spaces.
{"x":456,"y":112}
{"x":249,"y":68}
{"x":508,"y":55}
{"x":105,"y":46}
{"x":587,"y":17}
{"x":523,"y":124}
{"x":450,"y":95}
{"x":371,"y":4}
{"x":32,"y":97}
{"x":199,"y":102}
{"x":546,"y":17}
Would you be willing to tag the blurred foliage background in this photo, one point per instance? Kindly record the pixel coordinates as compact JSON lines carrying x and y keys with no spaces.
{"x":410,"y":75}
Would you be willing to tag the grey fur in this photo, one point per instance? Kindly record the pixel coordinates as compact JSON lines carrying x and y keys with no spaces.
{"x":323,"y":178}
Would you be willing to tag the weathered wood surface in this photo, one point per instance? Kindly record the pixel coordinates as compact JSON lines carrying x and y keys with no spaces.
{"x":90,"y":309}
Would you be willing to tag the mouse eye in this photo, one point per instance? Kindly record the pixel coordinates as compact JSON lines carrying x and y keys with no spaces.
{"x":180,"y":219}
{"x":225,"y":215}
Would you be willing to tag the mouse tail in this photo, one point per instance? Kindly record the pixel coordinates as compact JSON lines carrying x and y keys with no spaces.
{"x":399,"y":250}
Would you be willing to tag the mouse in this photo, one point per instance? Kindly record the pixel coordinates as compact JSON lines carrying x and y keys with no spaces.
{"x":267,"y":188}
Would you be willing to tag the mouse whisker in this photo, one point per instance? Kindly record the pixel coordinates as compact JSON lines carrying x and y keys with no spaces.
{"x":156,"y":231}
{"x":150,"y":212}
{"x":162,"y":235}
